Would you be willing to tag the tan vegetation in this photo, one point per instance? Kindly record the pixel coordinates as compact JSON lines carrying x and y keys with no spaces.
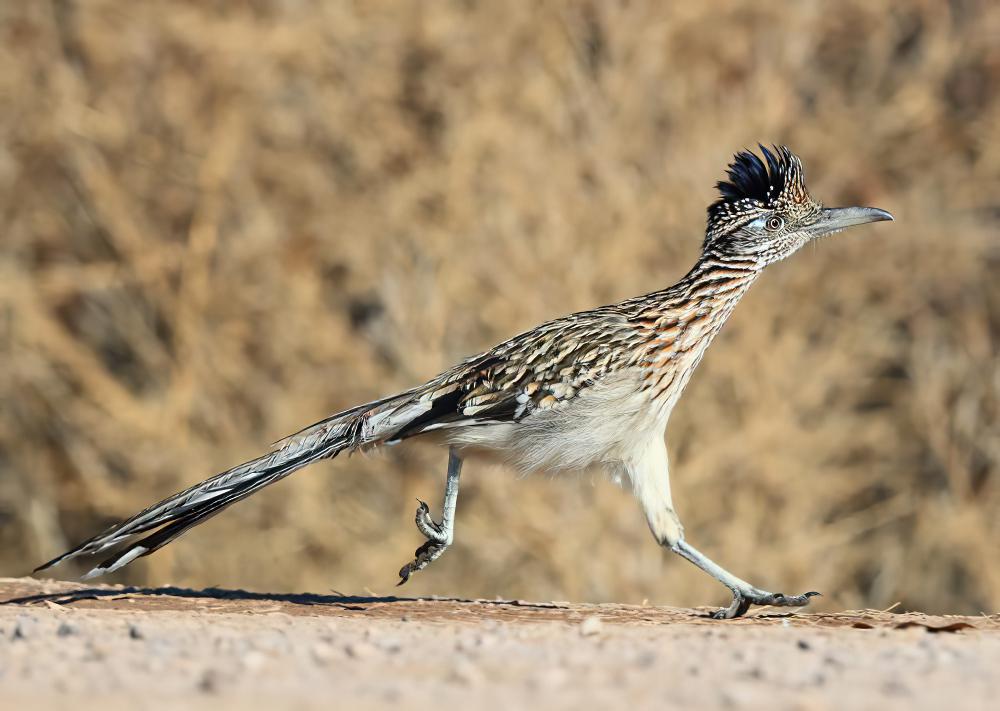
{"x":222,"y":221}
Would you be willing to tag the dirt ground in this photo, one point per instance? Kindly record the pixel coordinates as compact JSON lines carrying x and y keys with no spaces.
{"x":96,"y":646}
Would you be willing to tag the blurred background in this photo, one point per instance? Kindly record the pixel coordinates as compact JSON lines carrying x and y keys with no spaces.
{"x":223,"y":220}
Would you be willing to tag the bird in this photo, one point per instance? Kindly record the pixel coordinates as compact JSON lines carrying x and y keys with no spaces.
{"x":592,"y":389}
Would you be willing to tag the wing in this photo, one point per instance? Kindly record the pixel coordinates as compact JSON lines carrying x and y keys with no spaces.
{"x":538,"y":369}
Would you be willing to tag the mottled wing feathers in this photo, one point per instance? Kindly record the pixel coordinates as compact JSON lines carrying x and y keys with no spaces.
{"x":536,"y":370}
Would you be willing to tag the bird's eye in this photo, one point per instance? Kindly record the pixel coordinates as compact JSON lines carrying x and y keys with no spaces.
{"x":774,"y":223}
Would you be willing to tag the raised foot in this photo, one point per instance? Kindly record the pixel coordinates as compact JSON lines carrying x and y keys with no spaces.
{"x":437,"y":542}
{"x":743,"y":599}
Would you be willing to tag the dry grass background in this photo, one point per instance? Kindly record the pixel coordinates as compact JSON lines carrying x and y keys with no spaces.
{"x":223,"y":220}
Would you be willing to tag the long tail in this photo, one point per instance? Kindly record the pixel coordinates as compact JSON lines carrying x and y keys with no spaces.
{"x":349,"y":430}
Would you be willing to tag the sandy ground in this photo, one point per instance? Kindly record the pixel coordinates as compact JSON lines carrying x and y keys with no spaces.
{"x":92,"y":646}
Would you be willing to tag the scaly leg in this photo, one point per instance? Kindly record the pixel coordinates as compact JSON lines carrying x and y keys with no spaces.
{"x":439,"y":535}
{"x":651,"y":483}
{"x":744,"y":594}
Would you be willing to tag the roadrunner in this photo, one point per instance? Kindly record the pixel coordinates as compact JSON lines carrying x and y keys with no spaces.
{"x":595,"y":388}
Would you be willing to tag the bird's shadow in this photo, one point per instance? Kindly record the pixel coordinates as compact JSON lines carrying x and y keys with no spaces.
{"x":347,"y":602}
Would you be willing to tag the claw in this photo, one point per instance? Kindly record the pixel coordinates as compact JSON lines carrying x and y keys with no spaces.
{"x":422,"y":557}
{"x":742,"y":602}
{"x":404,"y":573}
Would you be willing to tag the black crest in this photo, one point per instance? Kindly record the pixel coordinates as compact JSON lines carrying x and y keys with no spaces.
{"x":754,"y":184}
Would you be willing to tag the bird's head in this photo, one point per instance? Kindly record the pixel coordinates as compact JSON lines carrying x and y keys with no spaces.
{"x":765,"y":213}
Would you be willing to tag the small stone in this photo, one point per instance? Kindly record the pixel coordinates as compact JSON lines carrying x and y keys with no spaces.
{"x":65,"y":629}
{"x":465,"y":672}
{"x":894,"y":687}
{"x":254,"y":661}
{"x":134,"y":632}
{"x":803,"y":645}
{"x":479,"y":641}
{"x":359,"y":650}
{"x":24,"y":628}
{"x":209,"y":681}
{"x":645,"y":660}
{"x":486,"y":640}
{"x":591,"y":626}
{"x":322,"y":652}
{"x":95,"y":652}
{"x":390,"y":646}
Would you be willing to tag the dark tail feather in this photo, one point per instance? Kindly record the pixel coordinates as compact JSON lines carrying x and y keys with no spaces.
{"x":177,"y":514}
{"x":151,"y":543}
{"x":181,"y":524}
{"x":190,"y":507}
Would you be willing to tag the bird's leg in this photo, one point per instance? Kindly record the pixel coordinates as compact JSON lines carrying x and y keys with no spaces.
{"x":439,"y":535}
{"x":744,"y":594}
{"x":650,"y":477}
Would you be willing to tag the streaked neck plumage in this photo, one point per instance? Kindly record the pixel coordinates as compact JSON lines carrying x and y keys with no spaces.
{"x":681,"y":321}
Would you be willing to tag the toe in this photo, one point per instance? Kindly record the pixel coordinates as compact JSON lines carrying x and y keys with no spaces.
{"x":404,"y":573}
{"x":782,"y":600}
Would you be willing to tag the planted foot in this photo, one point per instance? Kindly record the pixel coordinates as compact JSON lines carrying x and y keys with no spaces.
{"x":743,"y":599}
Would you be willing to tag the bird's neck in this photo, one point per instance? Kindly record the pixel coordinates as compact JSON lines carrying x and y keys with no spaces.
{"x":716,"y":273}
{"x":681,"y":321}
{"x":708,"y":292}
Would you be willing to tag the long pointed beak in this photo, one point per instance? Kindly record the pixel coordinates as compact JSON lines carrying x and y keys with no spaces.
{"x":835,"y":219}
